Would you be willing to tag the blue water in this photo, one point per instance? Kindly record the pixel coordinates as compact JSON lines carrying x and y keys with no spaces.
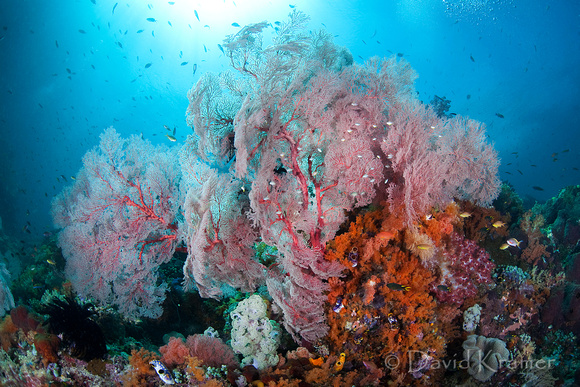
{"x":69,"y":69}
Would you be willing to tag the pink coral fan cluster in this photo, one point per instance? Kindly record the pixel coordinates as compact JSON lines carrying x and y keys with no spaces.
{"x":212,"y":351}
{"x":463,"y":266}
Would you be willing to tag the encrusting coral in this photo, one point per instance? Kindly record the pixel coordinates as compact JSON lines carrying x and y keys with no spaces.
{"x":485,"y":356}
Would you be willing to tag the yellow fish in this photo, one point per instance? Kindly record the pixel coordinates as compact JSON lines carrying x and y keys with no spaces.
{"x":170,"y":138}
{"x":504,"y":246}
{"x":498,"y":224}
{"x":424,"y":246}
{"x":465,"y":214}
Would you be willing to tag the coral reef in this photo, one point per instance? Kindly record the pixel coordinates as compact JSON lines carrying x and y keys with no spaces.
{"x":339,"y":230}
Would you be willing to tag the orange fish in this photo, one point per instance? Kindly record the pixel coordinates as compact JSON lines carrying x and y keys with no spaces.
{"x":385,"y":235}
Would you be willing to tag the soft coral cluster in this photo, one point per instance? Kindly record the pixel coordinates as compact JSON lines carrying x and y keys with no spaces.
{"x":374,"y":316}
{"x":463,"y":266}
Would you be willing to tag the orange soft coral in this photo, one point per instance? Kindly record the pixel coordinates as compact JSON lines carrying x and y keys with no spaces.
{"x":141,"y":372}
{"x":7,"y":333}
{"x":380,"y":317}
{"x":46,"y":345}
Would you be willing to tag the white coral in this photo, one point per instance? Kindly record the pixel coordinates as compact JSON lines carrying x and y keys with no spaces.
{"x":254,"y":336}
{"x":471,"y":318}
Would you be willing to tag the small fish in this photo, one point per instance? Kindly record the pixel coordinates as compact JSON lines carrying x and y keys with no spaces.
{"x":465,"y":215}
{"x":393,"y":322}
{"x":499,"y":115}
{"x":151,"y":19}
{"x":537,"y":188}
{"x":51,"y":262}
{"x":148,"y":65}
{"x":114,"y":6}
{"x":443,"y":288}
{"x":82,"y":31}
{"x":140,"y":31}
{"x":498,"y":224}
{"x":385,"y":235}
{"x":167,"y":127}
{"x":514,"y":242}
{"x":471,"y":57}
{"x":204,"y":48}
{"x":170,"y":138}
{"x":338,"y":305}
{"x":221,"y":48}
{"x":56,"y":43}
{"x":47,"y":234}
{"x":170,"y":25}
{"x":235,"y":25}
{"x":340,"y":362}
{"x":194,"y":68}
{"x":196,"y":15}
{"x":504,"y":246}
{"x":162,"y":371}
{"x":394,"y":286}
{"x":424,"y":246}
{"x":184,"y":63}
